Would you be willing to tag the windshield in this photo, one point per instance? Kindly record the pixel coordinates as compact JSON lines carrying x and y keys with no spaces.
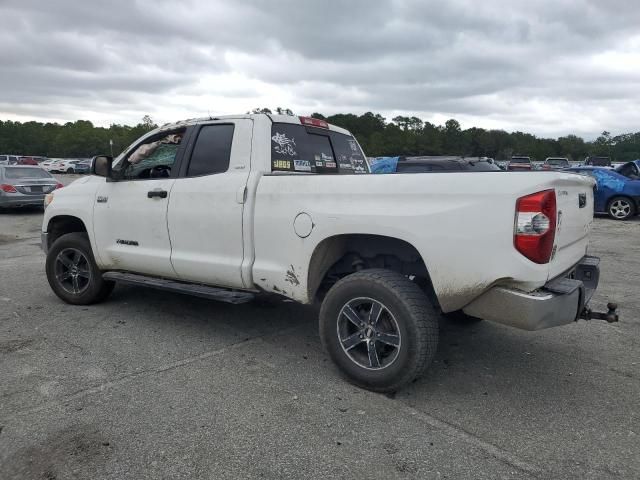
{"x":629,"y":170}
{"x":20,"y":173}
{"x":520,"y":160}
{"x":296,"y":148}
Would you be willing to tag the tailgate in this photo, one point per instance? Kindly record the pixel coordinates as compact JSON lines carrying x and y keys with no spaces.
{"x":574,"y":199}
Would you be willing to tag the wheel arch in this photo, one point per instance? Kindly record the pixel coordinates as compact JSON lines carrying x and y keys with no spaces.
{"x":63,"y":224}
{"x":339,"y":255}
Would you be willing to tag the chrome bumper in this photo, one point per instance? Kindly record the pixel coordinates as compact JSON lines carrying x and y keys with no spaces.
{"x":559,"y":302}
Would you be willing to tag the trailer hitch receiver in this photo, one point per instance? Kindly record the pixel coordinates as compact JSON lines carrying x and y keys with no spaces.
{"x":611,"y":316}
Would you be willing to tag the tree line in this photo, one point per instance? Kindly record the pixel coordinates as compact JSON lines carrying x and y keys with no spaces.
{"x":408,"y":136}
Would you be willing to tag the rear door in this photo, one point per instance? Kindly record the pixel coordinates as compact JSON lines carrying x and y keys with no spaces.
{"x":207,"y":204}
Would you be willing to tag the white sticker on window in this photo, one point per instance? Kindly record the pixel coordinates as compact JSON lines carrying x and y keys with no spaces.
{"x":284,"y":145}
{"x":302,"y":165}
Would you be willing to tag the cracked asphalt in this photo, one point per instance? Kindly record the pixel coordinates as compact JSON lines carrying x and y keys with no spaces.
{"x":158,"y":385}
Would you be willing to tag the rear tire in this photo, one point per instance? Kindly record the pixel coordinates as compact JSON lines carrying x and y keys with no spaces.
{"x":379,"y":329}
{"x":69,"y":170}
{"x":72,"y":271}
{"x":621,"y":208}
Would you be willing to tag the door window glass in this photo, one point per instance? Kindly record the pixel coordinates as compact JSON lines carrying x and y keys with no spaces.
{"x":152,"y":159}
{"x":212,"y":151}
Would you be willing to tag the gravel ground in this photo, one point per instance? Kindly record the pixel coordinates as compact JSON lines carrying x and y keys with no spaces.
{"x":158,"y":385}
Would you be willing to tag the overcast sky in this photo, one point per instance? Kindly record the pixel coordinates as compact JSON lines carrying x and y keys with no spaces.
{"x":547,"y":67}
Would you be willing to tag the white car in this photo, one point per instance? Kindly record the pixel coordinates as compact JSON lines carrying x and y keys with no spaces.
{"x":9,"y":159}
{"x":53,"y":165}
{"x":231,"y":207}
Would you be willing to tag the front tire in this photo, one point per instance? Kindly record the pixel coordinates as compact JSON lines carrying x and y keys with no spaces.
{"x":69,"y":170}
{"x":72,"y":271}
{"x":379,"y":329}
{"x":621,"y":208}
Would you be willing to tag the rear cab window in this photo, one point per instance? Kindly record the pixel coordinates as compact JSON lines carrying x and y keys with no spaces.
{"x":304,"y":149}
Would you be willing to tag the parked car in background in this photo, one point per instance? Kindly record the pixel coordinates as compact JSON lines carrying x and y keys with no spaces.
{"x":27,"y":161}
{"x":79,"y":166}
{"x":630,"y":170}
{"x":23,"y":186}
{"x":556,"y":163}
{"x":597,"y":161}
{"x":9,"y":159}
{"x":67,"y":165}
{"x":73,"y":165}
{"x":519,"y":163}
{"x":52,"y":165}
{"x":434,"y":164}
{"x":616,"y":195}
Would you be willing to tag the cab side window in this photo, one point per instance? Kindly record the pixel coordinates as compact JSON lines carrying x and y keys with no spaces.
{"x":212,"y":150}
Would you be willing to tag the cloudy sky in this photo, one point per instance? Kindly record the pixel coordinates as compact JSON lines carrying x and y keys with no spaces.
{"x":547,"y":67}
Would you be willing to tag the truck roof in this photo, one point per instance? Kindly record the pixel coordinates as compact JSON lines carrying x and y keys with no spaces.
{"x":295,"y":119}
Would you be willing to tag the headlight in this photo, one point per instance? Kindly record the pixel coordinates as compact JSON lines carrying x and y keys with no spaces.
{"x":48,"y":198}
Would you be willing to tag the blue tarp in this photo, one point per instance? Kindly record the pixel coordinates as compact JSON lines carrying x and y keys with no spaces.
{"x":384,"y":164}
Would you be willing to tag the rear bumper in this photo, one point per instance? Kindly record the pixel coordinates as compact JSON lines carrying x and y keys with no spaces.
{"x":9,"y":201}
{"x":559,"y":302}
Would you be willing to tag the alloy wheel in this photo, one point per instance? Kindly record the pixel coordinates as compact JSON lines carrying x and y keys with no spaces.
{"x":620,"y":208}
{"x":368,"y":333}
{"x":72,"y":271}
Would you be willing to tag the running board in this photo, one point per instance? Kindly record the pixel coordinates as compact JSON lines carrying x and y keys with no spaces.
{"x":196,"y":290}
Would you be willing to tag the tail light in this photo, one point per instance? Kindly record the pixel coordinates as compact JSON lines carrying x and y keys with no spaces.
{"x":58,"y":185}
{"x":546,"y":167}
{"x":8,"y":188}
{"x":535,"y":226}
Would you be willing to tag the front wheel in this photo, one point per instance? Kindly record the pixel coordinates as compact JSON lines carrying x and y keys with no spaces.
{"x":69,"y":170}
{"x":379,"y":329}
{"x":621,"y":208}
{"x":73,"y":273}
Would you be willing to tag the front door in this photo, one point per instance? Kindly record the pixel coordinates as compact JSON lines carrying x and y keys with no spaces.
{"x":130,"y":213}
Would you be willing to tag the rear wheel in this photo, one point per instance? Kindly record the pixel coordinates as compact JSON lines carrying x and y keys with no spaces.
{"x":379,"y":329}
{"x":72,"y":271}
{"x":69,"y":170}
{"x":621,"y":208}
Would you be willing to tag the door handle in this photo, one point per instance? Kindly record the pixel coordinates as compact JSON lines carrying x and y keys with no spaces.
{"x":157,"y":193}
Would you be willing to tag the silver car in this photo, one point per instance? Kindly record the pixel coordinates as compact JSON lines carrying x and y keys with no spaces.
{"x":22,"y":186}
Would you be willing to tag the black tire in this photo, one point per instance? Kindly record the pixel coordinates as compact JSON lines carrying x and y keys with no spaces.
{"x":61,"y":258}
{"x":405,"y":311}
{"x":69,"y":170}
{"x":621,"y":208}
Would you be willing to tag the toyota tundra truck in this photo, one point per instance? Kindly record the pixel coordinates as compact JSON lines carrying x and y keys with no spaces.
{"x":233,"y":207}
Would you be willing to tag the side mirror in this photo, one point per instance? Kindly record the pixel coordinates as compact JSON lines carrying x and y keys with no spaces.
{"x":101,"y":166}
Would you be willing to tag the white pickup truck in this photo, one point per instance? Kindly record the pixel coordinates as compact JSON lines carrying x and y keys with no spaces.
{"x":232,"y":207}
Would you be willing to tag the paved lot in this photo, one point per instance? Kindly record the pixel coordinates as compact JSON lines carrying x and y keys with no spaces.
{"x":157,"y":385}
